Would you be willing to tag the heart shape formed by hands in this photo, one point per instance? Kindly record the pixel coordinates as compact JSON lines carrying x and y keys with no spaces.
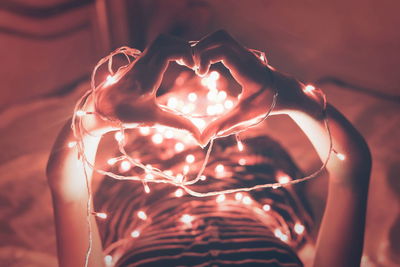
{"x":132,"y":99}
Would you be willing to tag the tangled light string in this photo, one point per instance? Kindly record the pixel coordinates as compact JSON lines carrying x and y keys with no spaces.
{"x":157,"y":175}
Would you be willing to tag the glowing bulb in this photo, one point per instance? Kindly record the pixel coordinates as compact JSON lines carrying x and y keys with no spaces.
{"x":214,"y":75}
{"x":190,"y":158}
{"x":119,"y":136}
{"x":228,"y":104}
{"x":157,"y":138}
{"x":221,"y":198}
{"x":275,"y":186}
{"x":147,"y":189}
{"x":278,"y":233}
{"x":242,"y":161}
{"x":135,"y":234}
{"x":309,"y":88}
{"x":111,"y":161}
{"x":192,"y":97}
{"x":186,"y":109}
{"x":186,"y":218}
{"x":144,"y":130}
{"x":168,"y":172}
{"x":179,"y":147}
{"x":222,"y":95}
{"x":80,"y":113}
{"x":262,"y":57}
{"x":247,"y":200}
{"x":284,"y":179}
{"x":240,"y":145}
{"x":179,"y":178}
{"x":71,"y":144}
{"x":142,"y":215}
{"x":172,"y":102}
{"x":267,"y":207}
{"x":186,"y":169}
{"x":108,"y":259}
{"x":219,"y":168}
{"x":299,"y":228}
{"x":203,"y":177}
{"x":179,"y":192}
{"x":125,"y":166}
{"x":169,"y":134}
{"x":149,"y":176}
{"x":219,"y":108}
{"x":110,"y":80}
{"x":238,"y":196}
{"x":101,"y":215}
{"x":340,"y":156}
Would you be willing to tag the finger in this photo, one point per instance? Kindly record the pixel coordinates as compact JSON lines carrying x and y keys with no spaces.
{"x":150,"y":68}
{"x":172,"y":120}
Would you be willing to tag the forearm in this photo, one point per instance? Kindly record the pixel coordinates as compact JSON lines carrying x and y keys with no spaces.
{"x":340,"y":239}
{"x":67,"y":181}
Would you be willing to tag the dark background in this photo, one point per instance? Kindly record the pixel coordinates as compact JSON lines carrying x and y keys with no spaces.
{"x":49,"y":47}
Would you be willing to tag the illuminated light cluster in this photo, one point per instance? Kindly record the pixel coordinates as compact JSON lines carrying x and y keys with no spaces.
{"x":266,"y":207}
{"x":125,"y":166}
{"x":110,"y":80}
{"x":135,"y":234}
{"x":142,"y":215}
{"x":309,"y":88}
{"x":221,"y":198}
{"x":72,"y":144}
{"x":278,"y":233}
{"x":179,"y":192}
{"x":101,"y":215}
{"x":299,"y":228}
{"x":203,"y":177}
{"x":187,"y":219}
{"x":169,"y":134}
{"x":200,"y":123}
{"x":172,"y":102}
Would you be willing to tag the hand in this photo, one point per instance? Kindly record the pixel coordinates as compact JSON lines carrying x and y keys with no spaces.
{"x":258,"y":82}
{"x":132,"y":99}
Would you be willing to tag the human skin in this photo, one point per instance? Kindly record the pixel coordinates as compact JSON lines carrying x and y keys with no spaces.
{"x":340,"y":237}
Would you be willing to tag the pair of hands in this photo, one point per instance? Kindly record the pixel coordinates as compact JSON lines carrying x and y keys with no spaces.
{"x":133,"y":98}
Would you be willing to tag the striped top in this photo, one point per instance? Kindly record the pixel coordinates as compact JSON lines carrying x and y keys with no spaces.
{"x":170,"y":228}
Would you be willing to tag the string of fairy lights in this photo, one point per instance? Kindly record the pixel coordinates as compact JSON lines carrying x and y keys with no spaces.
{"x":222,"y":103}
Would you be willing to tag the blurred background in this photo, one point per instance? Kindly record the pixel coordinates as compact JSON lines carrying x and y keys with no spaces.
{"x":48,"y":48}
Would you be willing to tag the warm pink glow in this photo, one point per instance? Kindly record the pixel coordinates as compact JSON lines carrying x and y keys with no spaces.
{"x":179,"y":147}
{"x":247,"y":200}
{"x":144,"y":130}
{"x":192,"y":97}
{"x":238,"y":196}
{"x":228,"y":104}
{"x":110,"y":80}
{"x":240,"y":145}
{"x":309,"y":88}
{"x":72,"y":144}
{"x":80,"y":113}
{"x":284,"y":179}
{"x":157,"y":138}
{"x":219,"y":168}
